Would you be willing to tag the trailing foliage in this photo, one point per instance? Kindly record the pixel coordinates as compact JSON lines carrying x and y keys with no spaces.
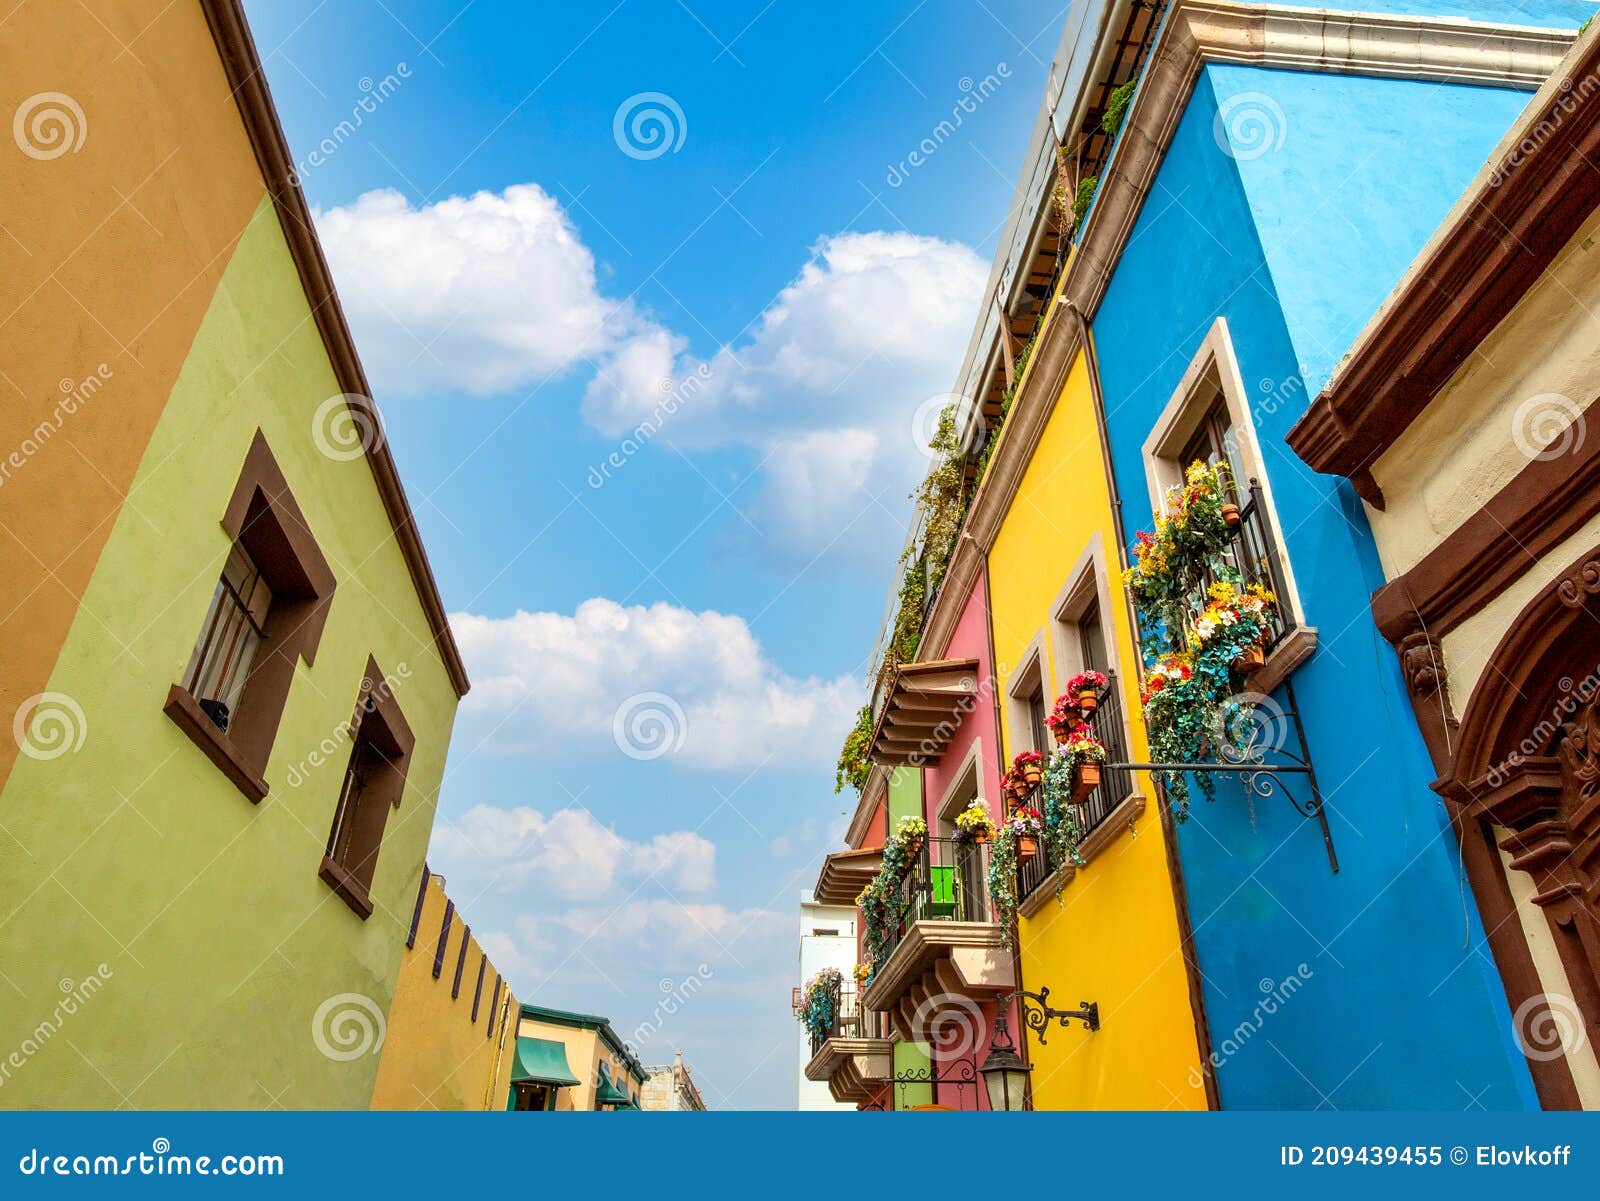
{"x":854,"y":766}
{"x":1018,"y":368}
{"x":819,"y":1002}
{"x":1003,"y":863}
{"x":1117,"y":108}
{"x":1062,"y":831}
{"x":883,"y":902}
{"x":1196,"y":618}
{"x":1084,"y":198}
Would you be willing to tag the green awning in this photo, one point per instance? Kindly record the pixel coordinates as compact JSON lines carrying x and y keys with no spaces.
{"x":541,"y":1061}
{"x":609,"y":1094}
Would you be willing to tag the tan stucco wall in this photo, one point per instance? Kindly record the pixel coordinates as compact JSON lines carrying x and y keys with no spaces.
{"x":436,"y":1055}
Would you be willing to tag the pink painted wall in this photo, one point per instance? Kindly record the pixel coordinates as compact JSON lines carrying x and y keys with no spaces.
{"x":969,"y":640}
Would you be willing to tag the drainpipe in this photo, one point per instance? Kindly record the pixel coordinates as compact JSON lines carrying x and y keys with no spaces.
{"x":1180,"y":889}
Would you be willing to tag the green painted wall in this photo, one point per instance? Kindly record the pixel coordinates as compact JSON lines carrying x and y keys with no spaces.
{"x":912,"y":1057}
{"x":905,"y":794}
{"x":219,"y":939}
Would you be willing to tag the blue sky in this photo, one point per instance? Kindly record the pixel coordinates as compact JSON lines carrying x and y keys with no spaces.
{"x":530,"y":276}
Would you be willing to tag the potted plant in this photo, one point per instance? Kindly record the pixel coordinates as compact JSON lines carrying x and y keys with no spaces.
{"x":1087,"y":754}
{"x":1063,"y":718}
{"x":1026,"y":827}
{"x":1230,"y":514}
{"x":1084,"y":690}
{"x":1014,"y":786}
{"x":862,"y":973}
{"x":1028,"y":767}
{"x":912,"y":832}
{"x":973,"y":824}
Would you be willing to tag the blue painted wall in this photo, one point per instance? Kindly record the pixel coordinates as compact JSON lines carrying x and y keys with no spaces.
{"x":1402,"y":1008}
{"x":1547,"y":14}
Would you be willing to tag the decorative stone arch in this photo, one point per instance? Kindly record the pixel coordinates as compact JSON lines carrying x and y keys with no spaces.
{"x":1526,"y":770}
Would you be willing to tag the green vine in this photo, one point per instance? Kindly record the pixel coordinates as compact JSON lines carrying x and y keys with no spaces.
{"x":1117,"y":108}
{"x":1084,"y":198}
{"x":854,"y":766}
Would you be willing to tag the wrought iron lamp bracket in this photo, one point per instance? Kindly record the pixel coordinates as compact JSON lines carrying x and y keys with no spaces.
{"x":1037,"y":1012}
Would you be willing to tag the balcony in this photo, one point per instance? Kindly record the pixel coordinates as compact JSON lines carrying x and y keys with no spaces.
{"x":855,"y":1055}
{"x":946,"y":950}
{"x":1110,"y":807}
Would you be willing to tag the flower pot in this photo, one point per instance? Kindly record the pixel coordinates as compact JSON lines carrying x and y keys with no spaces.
{"x":1088,"y":700}
{"x":1062,"y":734}
{"x":1230,"y":514}
{"x":980,"y":837}
{"x":1251,"y":661}
{"x":1032,"y":774}
{"x":1019,"y":790}
{"x":1027,"y":847}
{"x":1085,"y":779}
{"x":914,"y":846}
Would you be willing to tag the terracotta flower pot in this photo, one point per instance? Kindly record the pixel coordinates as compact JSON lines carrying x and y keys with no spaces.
{"x":980,"y":837}
{"x":1032,"y":773}
{"x":1088,"y":700}
{"x":914,"y":846}
{"x":1027,"y":847}
{"x":1230,"y":514}
{"x":1019,"y":789}
{"x":1085,"y":779}
{"x":1251,"y":661}
{"x":1062,"y":734}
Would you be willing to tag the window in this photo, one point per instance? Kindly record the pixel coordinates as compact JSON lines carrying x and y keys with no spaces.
{"x":1038,"y":709}
{"x":1028,"y":701}
{"x":1208,"y":418}
{"x":825,"y":931}
{"x":1092,"y":639}
{"x":533,"y":1097}
{"x":374,"y":782}
{"x":229,"y":639}
{"x":266,"y":613}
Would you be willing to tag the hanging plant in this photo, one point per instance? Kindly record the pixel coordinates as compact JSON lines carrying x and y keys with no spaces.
{"x":854,"y":767}
{"x":1060,"y":818}
{"x":1117,"y":108}
{"x":1003,"y":882}
{"x":973,"y":824}
{"x":1083,"y":691}
{"x":1086,"y":754}
{"x":819,"y":1002}
{"x":882,"y":902}
{"x":1028,"y":767}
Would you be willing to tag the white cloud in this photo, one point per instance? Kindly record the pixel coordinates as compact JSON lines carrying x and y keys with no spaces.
{"x":481,"y":294}
{"x":569,"y":853}
{"x":697,"y":680}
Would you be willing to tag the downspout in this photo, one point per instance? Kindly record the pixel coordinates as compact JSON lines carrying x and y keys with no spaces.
{"x":1180,"y":889}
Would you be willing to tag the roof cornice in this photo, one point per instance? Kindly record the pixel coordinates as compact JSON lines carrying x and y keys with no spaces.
{"x":248,"y":82}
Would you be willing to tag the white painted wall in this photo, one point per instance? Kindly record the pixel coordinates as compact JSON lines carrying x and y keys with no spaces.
{"x":817,"y":951}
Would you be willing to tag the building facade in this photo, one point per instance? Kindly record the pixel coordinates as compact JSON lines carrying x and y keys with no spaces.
{"x":1469,"y":432}
{"x":671,"y":1089}
{"x":827,"y":940}
{"x":451,"y":1036}
{"x":228,"y":669}
{"x":572,"y":1061}
{"x":1158,"y":342}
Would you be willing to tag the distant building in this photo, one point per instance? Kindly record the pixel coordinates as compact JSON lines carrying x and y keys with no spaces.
{"x":671,"y":1088}
{"x":572,"y":1061}
{"x":827,"y":939}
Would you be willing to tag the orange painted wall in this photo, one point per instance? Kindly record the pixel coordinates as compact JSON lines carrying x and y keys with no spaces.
{"x":111,"y":251}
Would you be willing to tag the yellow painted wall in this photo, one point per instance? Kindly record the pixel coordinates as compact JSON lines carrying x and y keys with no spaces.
{"x":1115,"y":938}
{"x":586,"y":1051}
{"x":436,"y":1056}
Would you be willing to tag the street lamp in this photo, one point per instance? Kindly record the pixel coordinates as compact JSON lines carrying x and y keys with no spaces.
{"x":1005,"y":1076}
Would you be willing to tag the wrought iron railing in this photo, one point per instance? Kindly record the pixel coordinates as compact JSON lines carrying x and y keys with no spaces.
{"x":1253,"y":553}
{"x":1116,"y":785}
{"x":948,"y":881}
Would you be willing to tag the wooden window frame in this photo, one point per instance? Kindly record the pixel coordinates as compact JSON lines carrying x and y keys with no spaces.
{"x":263,"y":518}
{"x":377,"y":721}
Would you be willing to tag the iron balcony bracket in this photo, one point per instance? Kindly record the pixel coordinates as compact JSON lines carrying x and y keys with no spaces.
{"x":1038,"y":1015}
{"x":1261,"y":778}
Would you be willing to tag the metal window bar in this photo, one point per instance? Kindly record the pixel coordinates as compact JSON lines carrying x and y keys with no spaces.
{"x":234,"y":629}
{"x":948,"y":881}
{"x":1254,"y":554}
{"x":1116,"y":786}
